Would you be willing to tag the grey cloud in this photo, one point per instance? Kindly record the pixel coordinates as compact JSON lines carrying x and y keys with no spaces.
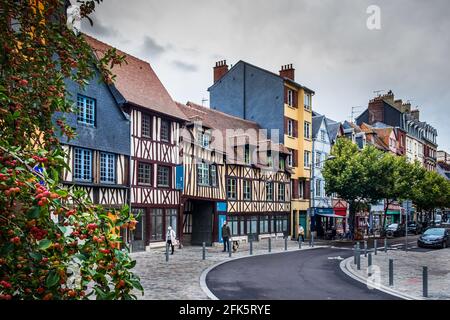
{"x":185,"y":66}
{"x":152,"y":48}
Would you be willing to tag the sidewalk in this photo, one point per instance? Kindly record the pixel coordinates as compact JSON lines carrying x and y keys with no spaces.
{"x":180,"y":277}
{"x":408,"y":272}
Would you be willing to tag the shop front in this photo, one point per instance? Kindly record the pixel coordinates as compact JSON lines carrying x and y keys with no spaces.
{"x":327,"y":223}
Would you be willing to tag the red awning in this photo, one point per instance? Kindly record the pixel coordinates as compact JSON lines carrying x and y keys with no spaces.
{"x":340,"y":211}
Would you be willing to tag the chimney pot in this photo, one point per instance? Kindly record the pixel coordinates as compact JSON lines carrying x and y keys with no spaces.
{"x":220,"y":70}
{"x":287,"y":71}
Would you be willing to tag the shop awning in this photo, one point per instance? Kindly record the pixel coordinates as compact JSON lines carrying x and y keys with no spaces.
{"x":393,"y":212}
{"x":342,"y":212}
{"x":327,"y":212}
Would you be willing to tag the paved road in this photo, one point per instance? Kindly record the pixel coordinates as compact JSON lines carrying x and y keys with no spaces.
{"x":298,"y":275}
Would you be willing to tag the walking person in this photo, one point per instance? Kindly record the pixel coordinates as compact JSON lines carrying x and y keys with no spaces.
{"x":171,"y":238}
{"x":226,"y":233}
{"x":301,"y":233}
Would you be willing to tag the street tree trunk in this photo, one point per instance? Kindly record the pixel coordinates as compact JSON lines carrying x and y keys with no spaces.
{"x":352,"y":218}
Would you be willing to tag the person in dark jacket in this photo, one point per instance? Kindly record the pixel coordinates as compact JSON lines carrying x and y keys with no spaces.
{"x":226,"y":233}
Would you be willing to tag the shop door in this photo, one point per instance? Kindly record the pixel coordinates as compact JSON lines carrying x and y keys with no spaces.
{"x":302,"y":221}
{"x":138,"y":235}
{"x":202,"y":223}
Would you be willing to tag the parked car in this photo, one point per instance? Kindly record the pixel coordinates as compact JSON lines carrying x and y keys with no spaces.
{"x":395,"y":230}
{"x":434,"y":238}
{"x":414,"y":227}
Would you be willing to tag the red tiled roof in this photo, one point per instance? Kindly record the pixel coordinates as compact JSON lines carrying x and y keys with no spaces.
{"x":138,"y":83}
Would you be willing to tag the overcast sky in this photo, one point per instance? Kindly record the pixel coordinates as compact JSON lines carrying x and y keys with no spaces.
{"x":328,"y":42}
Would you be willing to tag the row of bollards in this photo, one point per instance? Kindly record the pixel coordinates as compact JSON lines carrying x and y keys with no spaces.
{"x":357,"y":261}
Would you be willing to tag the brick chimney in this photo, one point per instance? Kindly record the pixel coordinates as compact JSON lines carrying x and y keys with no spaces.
{"x":220,"y":70}
{"x":389,"y":97}
{"x":406,"y":107}
{"x":398,"y":104}
{"x":415,"y":114}
{"x":287,"y":71}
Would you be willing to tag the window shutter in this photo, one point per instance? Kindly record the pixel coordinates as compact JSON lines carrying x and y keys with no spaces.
{"x":295,"y":189}
{"x":295,"y":96}
{"x":295,"y":158}
{"x":285,"y":95}
{"x":295,"y":128}
{"x":285,"y":125}
{"x":307,"y":189}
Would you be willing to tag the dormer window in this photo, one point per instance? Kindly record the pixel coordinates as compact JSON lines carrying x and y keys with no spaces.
{"x":247,"y":154}
{"x":203,"y":139}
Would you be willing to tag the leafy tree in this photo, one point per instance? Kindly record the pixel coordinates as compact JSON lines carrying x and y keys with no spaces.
{"x":396,"y":179}
{"x":351,"y":174}
{"x":430,"y":193}
{"x":78,"y":255}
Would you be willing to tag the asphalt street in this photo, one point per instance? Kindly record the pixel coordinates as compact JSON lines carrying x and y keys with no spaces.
{"x":299,"y":275}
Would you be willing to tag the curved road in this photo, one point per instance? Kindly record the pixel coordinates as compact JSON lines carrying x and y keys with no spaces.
{"x":298,"y":275}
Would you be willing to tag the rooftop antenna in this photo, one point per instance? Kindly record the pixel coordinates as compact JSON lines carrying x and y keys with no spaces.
{"x":355,"y":110}
{"x":203,"y":101}
{"x":377,"y":92}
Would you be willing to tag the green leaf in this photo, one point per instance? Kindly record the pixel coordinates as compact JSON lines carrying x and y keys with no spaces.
{"x":44,"y":244}
{"x":52,"y":279}
{"x":63,"y":229}
{"x":36,"y":256}
{"x":34,"y":212}
{"x":136,"y":284}
{"x":81,"y":256}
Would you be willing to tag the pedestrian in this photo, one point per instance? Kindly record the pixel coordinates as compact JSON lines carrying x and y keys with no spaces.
{"x":171,"y":238}
{"x":226,"y":233}
{"x":333,"y":232}
{"x":301,"y":233}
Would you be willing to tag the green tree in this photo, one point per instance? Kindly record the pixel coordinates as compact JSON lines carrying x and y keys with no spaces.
{"x":78,"y":256}
{"x":352,"y":174}
{"x":396,"y":179}
{"x":430,"y":193}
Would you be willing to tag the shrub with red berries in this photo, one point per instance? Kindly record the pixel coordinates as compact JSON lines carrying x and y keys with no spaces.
{"x":54,"y":243}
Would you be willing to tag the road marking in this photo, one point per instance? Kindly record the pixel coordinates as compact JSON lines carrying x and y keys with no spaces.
{"x":335,"y":258}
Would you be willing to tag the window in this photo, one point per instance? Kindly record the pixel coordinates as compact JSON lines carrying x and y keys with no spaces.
{"x":156,"y":221}
{"x":282,"y":164}
{"x":301,"y":191}
{"x":318,"y":188}
{"x":145,"y":173}
{"x":213,"y":171}
{"x":307,"y":101}
{"x":281,"y":224}
{"x":263,"y":224}
{"x":146,"y":126}
{"x":107,"y":168}
{"x":281,"y":189}
{"x":290,"y":98}
{"x":306,"y":159}
{"x":290,"y":157}
{"x":269,"y":159}
{"x":252,"y":225}
{"x":233,"y":223}
{"x":318,"y":159}
{"x":172,"y":219}
{"x":203,"y":174}
{"x":290,"y":128}
{"x":322,"y":135}
{"x":82,"y":165}
{"x":231,"y":188}
{"x":307,"y":130}
{"x":165,"y":132}
{"x":247,"y":154}
{"x":163,"y":176}
{"x":247,"y":190}
{"x":269,"y":191}
{"x":203,"y":139}
{"x":86,"y":110}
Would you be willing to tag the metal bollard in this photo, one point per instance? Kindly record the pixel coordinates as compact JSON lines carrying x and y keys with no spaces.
{"x":369,"y":260}
{"x":355,"y":252}
{"x":391,"y":272}
{"x":229,"y":248}
{"x":299,"y":243}
{"x":358,"y":261}
{"x":285,"y":244}
{"x":425,"y":281}
{"x":270,"y":244}
{"x":167,"y":252}
{"x":375,"y":245}
{"x":204,"y":252}
{"x":251,"y":247}
{"x":385,"y":245}
{"x":312,"y":239}
{"x":365,"y":248}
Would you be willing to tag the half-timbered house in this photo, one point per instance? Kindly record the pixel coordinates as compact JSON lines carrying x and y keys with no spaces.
{"x":251,"y":189}
{"x":155,"y":127}
{"x":99,"y":155}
